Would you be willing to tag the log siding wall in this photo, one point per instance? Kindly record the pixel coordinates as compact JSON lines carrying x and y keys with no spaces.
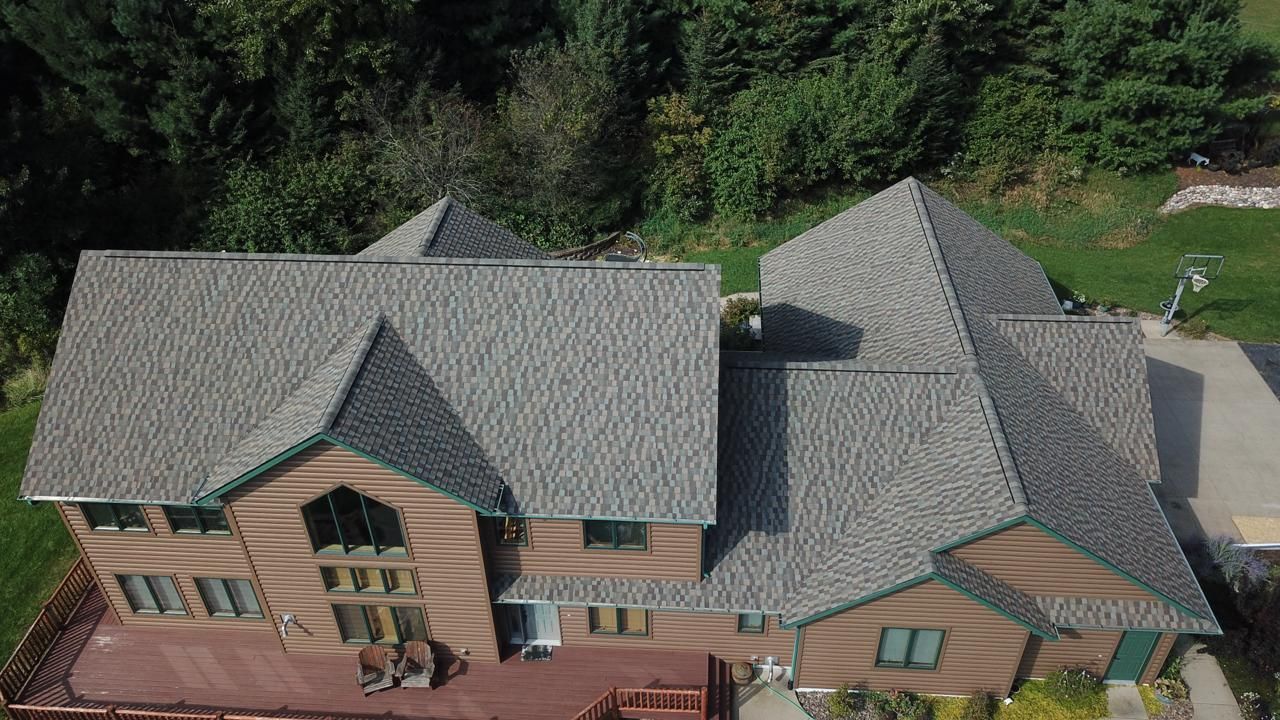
{"x":1032,"y":561}
{"x":442,"y":534}
{"x":1075,"y":648}
{"x":981,"y":650}
{"x":556,"y":548}
{"x":716,"y":633}
{"x":1158,"y":656}
{"x":160,"y":551}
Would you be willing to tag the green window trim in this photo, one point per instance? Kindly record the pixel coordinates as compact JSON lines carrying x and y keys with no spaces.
{"x":239,"y":609}
{"x":913,"y":636}
{"x":112,"y":517}
{"x":402,"y":616}
{"x":203,"y":520}
{"x":619,"y":615}
{"x":511,"y":531}
{"x":326,"y":503}
{"x":383,"y":575}
{"x":150,"y":582}
{"x":751,"y":623}
{"x":610,"y":529}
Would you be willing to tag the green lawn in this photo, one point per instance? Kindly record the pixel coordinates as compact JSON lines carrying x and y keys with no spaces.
{"x":37,"y":549}
{"x":1263,"y":17}
{"x":1102,"y":237}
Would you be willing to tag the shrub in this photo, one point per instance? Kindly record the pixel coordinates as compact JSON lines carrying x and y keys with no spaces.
{"x":1172,"y":669}
{"x":1172,"y":689}
{"x":1239,"y":567}
{"x":899,"y":705}
{"x":735,"y":334}
{"x":977,"y":706}
{"x":1072,"y":684}
{"x":26,"y":386}
{"x":840,"y":704}
{"x":678,"y":179}
{"x":1013,"y":123}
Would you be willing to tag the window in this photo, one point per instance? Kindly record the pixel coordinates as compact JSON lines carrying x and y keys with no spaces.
{"x":618,"y":620}
{"x":229,"y":598}
{"x":115,"y":516}
{"x":348,"y":523}
{"x":907,"y":648}
{"x":615,"y":535}
{"x":152,"y":594}
{"x":368,"y":580}
{"x":750,"y":622}
{"x":512,"y":531}
{"x":197,"y":520}
{"x":380,"y":624}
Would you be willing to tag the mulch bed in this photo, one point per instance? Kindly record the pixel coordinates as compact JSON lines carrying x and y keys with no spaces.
{"x":1261,"y":177}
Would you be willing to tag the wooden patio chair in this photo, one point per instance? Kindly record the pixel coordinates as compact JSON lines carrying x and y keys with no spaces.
{"x":417,"y":666}
{"x":374,"y":670}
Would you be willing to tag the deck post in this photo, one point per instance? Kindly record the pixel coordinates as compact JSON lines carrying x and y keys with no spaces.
{"x":111,"y":713}
{"x":702,"y":703}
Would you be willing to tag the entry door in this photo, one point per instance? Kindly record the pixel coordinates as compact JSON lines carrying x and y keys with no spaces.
{"x":1131,"y":656}
{"x":534,"y":624}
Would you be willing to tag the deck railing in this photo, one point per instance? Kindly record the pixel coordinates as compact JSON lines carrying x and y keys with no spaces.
{"x":111,"y":712}
{"x":53,"y":617}
{"x":616,"y":701}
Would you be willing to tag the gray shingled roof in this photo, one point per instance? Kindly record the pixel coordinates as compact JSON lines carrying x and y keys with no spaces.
{"x":970,"y":401}
{"x":449,"y":229}
{"x":588,"y":388}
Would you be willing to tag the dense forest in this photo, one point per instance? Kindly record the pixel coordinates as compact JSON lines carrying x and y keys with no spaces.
{"x":315,"y":125}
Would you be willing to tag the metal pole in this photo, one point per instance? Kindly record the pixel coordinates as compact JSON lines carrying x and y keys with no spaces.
{"x":1173,"y":308}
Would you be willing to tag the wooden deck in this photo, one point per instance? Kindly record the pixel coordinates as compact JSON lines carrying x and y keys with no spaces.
{"x":98,"y":662}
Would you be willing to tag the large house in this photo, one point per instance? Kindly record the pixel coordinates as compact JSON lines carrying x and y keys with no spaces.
{"x":930,"y":479}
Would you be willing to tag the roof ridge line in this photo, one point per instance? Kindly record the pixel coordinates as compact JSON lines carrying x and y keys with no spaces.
{"x":356,"y":363}
{"x":429,"y":236}
{"x":940,"y":267}
{"x":1009,"y":465}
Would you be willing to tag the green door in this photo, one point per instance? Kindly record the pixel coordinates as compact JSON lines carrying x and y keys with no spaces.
{"x":1131,"y":656}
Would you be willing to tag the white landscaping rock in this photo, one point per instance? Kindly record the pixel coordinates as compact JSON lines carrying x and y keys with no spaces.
{"x":1267,"y":198}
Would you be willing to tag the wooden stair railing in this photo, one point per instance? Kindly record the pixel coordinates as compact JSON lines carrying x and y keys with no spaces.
{"x":48,"y":625}
{"x":604,"y":708}
{"x":616,"y":702}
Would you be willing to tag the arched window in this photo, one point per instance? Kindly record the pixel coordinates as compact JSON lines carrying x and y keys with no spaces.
{"x":348,"y":523}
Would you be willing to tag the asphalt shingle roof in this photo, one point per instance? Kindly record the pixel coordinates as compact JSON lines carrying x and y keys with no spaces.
{"x":588,"y":388}
{"x":450,"y":229}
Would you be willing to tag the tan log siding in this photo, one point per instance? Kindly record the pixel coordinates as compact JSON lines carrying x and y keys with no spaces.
{"x":1076,"y":648}
{"x":163,"y":552}
{"x":715,"y":633}
{"x":442,"y":536}
{"x":1158,"y":656}
{"x":980,"y":652}
{"x":1029,"y":559}
{"x":556,"y":548}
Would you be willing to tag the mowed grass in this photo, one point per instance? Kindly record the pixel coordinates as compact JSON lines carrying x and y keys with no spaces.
{"x":37,"y":550}
{"x":1263,"y":17}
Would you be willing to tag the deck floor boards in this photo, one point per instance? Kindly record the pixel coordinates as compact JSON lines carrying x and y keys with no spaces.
{"x":97,"y":661}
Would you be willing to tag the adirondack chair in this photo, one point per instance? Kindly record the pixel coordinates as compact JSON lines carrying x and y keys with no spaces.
{"x":374,"y":670}
{"x":417,"y":666}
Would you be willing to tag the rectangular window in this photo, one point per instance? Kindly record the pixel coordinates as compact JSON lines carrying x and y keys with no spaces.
{"x":909,"y":648}
{"x":229,"y":598}
{"x":377,"y":581}
{"x":380,"y":624}
{"x":115,"y":516}
{"x":152,"y":594}
{"x":618,"y":620}
{"x":615,"y":535}
{"x":512,"y":531}
{"x":197,"y":520}
{"x":750,"y":622}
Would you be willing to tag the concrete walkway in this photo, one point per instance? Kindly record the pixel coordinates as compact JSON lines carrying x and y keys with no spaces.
{"x":758,"y":701}
{"x":1124,"y":703}
{"x":1210,"y":694}
{"x":1216,"y":427}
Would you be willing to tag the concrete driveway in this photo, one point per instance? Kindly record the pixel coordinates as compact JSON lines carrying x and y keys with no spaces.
{"x":1218,"y":430}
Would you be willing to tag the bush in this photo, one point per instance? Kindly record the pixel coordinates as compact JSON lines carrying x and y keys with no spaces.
{"x":1072,"y":684}
{"x":977,"y":706}
{"x":1172,"y":669}
{"x":903,"y":705}
{"x":841,"y":704}
{"x":1239,"y":567}
{"x":26,"y":386}
{"x":678,"y":179}
{"x":1172,"y":689}
{"x":1014,"y":122}
{"x":735,"y":332}
{"x":850,"y":124}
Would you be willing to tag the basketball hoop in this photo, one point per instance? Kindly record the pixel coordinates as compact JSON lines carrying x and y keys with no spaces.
{"x":1198,"y":283}
{"x":1199,"y":269}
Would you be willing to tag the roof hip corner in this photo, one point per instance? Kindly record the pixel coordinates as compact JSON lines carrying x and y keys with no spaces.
{"x":940,"y":266}
{"x":349,"y":375}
